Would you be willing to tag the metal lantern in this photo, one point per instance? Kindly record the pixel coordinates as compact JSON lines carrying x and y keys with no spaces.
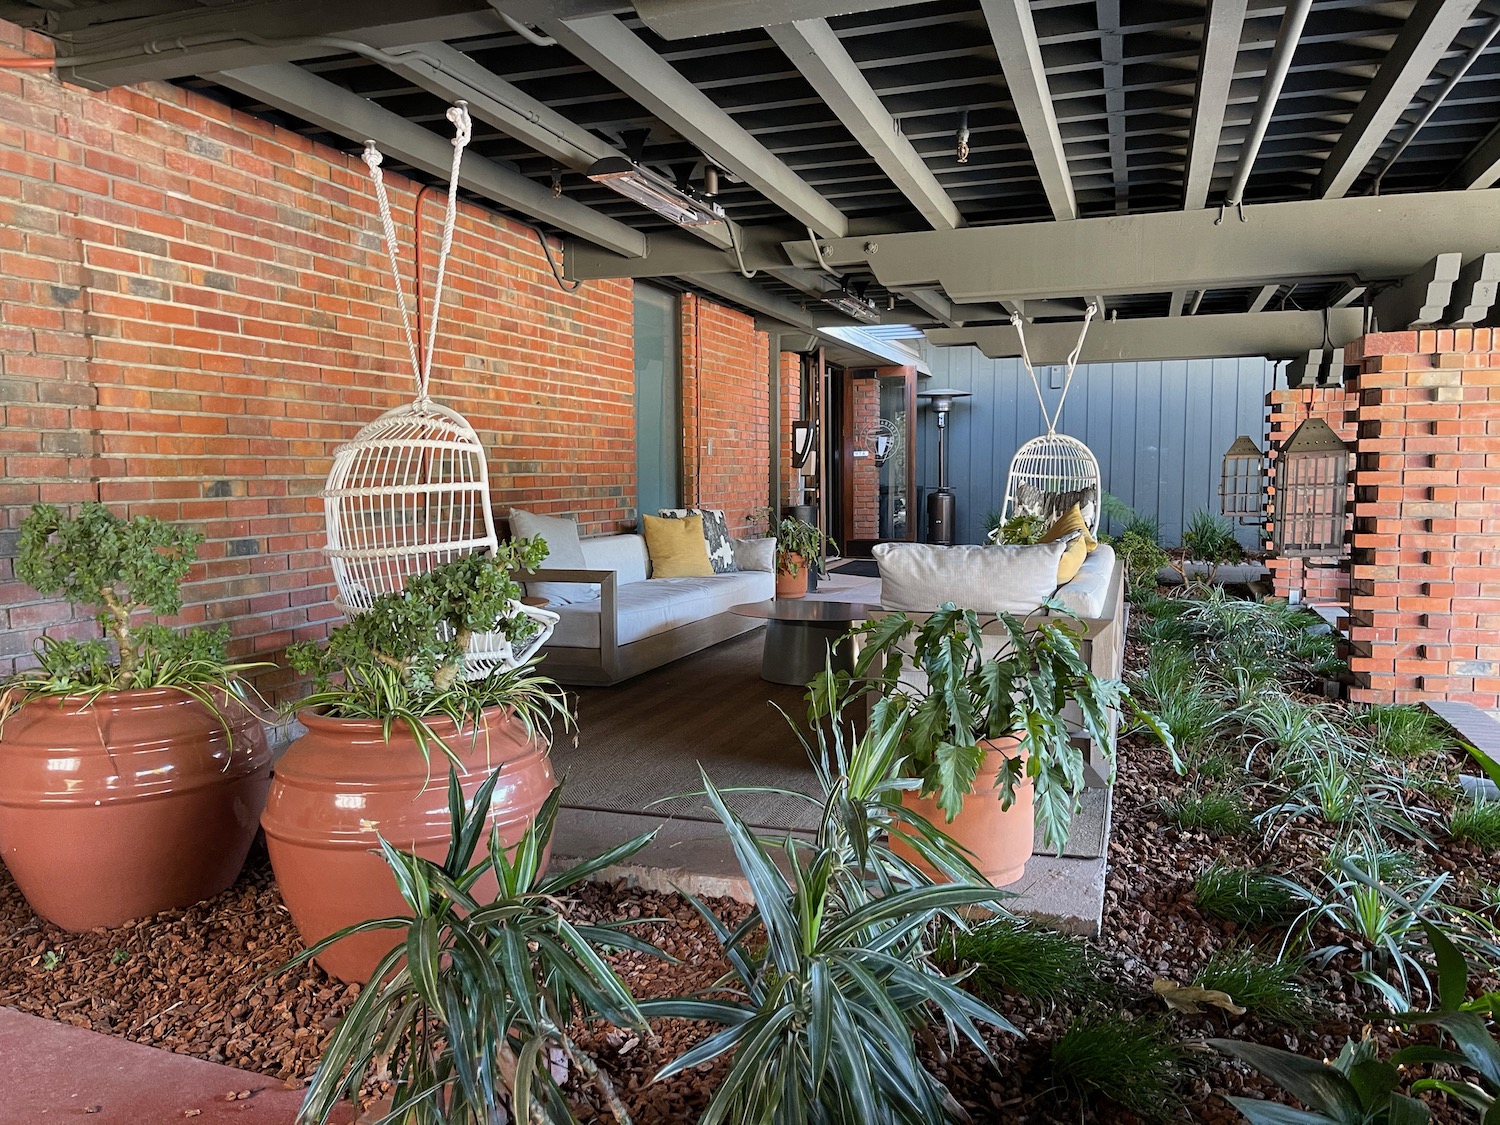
{"x":1312,"y":489}
{"x":1242,"y":487}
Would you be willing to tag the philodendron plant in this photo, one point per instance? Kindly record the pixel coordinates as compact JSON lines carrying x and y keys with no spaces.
{"x":402,"y":659}
{"x":120,"y":568}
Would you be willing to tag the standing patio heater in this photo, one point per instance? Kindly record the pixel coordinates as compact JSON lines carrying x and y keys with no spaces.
{"x":1242,"y":482}
{"x":940,"y":506}
{"x":1312,"y":491}
{"x":411,"y":490}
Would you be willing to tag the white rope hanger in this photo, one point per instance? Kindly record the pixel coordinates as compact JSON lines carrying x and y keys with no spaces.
{"x":1019,"y":324}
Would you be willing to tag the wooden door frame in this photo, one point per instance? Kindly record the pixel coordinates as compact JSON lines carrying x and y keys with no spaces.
{"x":846,"y":440}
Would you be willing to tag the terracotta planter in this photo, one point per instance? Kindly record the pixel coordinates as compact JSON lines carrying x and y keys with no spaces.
{"x":792,"y":585}
{"x":134,"y":803}
{"x":341,"y":784}
{"x":999,"y":840}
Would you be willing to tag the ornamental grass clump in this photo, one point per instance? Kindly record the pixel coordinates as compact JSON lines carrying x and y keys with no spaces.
{"x":1477,"y":821}
{"x":1247,"y":896}
{"x":122,"y":569}
{"x":1010,"y":956}
{"x":1219,"y":812}
{"x":1134,"y":1063}
{"x":402,"y":659}
{"x":1404,"y":730}
{"x":1270,"y":987}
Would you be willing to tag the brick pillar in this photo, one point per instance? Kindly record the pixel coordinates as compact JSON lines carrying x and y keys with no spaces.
{"x":865,"y":504}
{"x":1426,"y":542}
{"x":791,"y":485}
{"x":1319,"y":581}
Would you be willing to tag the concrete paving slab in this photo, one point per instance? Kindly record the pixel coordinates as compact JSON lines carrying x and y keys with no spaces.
{"x":53,"y":1072}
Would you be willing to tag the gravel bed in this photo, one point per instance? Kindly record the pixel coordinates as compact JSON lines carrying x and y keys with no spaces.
{"x":202,"y":981}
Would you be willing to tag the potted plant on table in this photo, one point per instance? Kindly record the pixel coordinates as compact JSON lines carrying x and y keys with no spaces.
{"x":132,"y":773}
{"x":391,"y":706}
{"x":981,"y":718}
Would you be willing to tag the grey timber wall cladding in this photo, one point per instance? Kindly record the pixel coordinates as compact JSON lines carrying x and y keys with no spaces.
{"x":1159,"y":429}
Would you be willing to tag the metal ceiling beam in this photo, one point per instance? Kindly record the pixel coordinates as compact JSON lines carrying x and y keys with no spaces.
{"x":1014,"y":34}
{"x":1425,"y":37}
{"x":817,"y":52}
{"x":751,"y":296}
{"x":453,"y":75}
{"x":257,"y":32}
{"x":1278,"y":335}
{"x":1368,"y":238}
{"x":684,"y":19}
{"x":1263,"y":298}
{"x":617,"y":53}
{"x":292,"y":89}
{"x":1223,"y":24}
{"x":1112,"y":55}
{"x":1481,"y":168}
{"x":1175,"y":301}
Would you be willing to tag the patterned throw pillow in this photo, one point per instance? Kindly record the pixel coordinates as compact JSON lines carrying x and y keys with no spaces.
{"x":715,"y":535}
{"x":1051,"y":505}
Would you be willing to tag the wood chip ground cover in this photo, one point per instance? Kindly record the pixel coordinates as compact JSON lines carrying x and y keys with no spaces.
{"x":200,"y":981}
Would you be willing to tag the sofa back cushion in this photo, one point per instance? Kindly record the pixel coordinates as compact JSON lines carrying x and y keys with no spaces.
{"x":623,"y":554}
{"x":563,"y":553}
{"x":999,"y":579}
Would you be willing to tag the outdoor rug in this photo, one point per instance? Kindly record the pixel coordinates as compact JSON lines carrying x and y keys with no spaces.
{"x":644,"y":740}
{"x":861,"y":568}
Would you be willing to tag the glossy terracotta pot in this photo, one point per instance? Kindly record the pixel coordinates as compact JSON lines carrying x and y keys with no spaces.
{"x":1000,"y":840}
{"x":792,"y":585}
{"x":136,"y":802}
{"x":341,"y":784}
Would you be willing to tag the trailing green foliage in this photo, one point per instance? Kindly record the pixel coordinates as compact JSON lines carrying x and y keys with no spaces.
{"x":1360,"y":1088}
{"x":1022,"y":528}
{"x":1345,"y":795}
{"x":1134,"y":1063}
{"x":467,"y":1016}
{"x":1016,"y":683}
{"x":1009,"y":956}
{"x":1218,"y":812}
{"x":1268,"y":987}
{"x":831,"y":976}
{"x":1248,"y":896}
{"x":1478,"y":822}
{"x":400,"y":661}
{"x":119,"y":568}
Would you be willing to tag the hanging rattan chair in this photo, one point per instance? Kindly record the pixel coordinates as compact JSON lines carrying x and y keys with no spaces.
{"x":412,"y":489}
{"x":1051,"y":473}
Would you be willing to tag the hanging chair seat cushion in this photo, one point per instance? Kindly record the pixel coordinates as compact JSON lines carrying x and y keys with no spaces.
{"x":644,"y":609}
{"x":998,"y":579}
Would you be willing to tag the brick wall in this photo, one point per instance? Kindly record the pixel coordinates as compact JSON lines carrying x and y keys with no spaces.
{"x":865,"y":502}
{"x":1426,"y":540}
{"x":726,"y":399}
{"x":791,"y":487}
{"x":195,"y":310}
{"x":1317,"y":581}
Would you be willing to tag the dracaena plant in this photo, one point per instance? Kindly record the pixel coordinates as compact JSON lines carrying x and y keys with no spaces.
{"x":976,"y":690}
{"x":468,"y":1014}
{"x":401,"y":660}
{"x":832,"y":986}
{"x":123,"y":569}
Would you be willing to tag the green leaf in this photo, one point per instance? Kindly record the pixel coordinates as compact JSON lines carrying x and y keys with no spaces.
{"x":1311,"y":1082}
{"x":1274,"y":1113}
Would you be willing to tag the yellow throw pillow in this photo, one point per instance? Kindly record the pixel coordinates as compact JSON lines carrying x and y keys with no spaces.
{"x":1072,"y":559}
{"x":1067,"y":523}
{"x":677,"y":547}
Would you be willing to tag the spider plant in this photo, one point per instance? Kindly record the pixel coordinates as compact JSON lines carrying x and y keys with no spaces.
{"x":1293,"y":729}
{"x":1170,"y":670}
{"x":468,"y":1017}
{"x":1193,"y":719}
{"x":1384,"y":925}
{"x":1346,"y":797}
{"x":830,"y":990}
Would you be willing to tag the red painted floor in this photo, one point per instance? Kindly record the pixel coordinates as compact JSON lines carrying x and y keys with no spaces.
{"x":52,"y":1072}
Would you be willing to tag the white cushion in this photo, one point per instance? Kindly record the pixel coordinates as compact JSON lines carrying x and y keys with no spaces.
{"x":1085,"y":594}
{"x":644,"y":609}
{"x":624,"y":554}
{"x":563,"y":553}
{"x":999,"y":579}
{"x":754,"y":554}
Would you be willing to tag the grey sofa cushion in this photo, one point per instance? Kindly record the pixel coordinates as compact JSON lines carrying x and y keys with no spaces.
{"x":563,"y":553}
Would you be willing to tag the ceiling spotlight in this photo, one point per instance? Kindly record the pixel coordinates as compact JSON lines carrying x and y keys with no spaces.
{"x":655,"y":192}
{"x":852,"y":304}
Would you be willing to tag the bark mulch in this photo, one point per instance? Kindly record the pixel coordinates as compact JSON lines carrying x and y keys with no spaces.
{"x":202,"y":981}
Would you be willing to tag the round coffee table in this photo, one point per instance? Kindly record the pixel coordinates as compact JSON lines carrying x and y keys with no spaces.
{"x":800,"y":635}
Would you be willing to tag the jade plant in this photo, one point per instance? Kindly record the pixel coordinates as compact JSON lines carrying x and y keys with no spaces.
{"x":402,"y":659}
{"x":122,"y":569}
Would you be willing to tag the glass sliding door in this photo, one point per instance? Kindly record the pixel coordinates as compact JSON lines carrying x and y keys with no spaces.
{"x":658,"y":401}
{"x":876,"y":466}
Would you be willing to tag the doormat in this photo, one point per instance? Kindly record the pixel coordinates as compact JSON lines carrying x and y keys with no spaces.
{"x":859,"y":568}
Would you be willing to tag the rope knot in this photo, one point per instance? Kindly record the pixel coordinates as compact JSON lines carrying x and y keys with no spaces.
{"x":371,"y":156}
{"x":458,"y":114}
